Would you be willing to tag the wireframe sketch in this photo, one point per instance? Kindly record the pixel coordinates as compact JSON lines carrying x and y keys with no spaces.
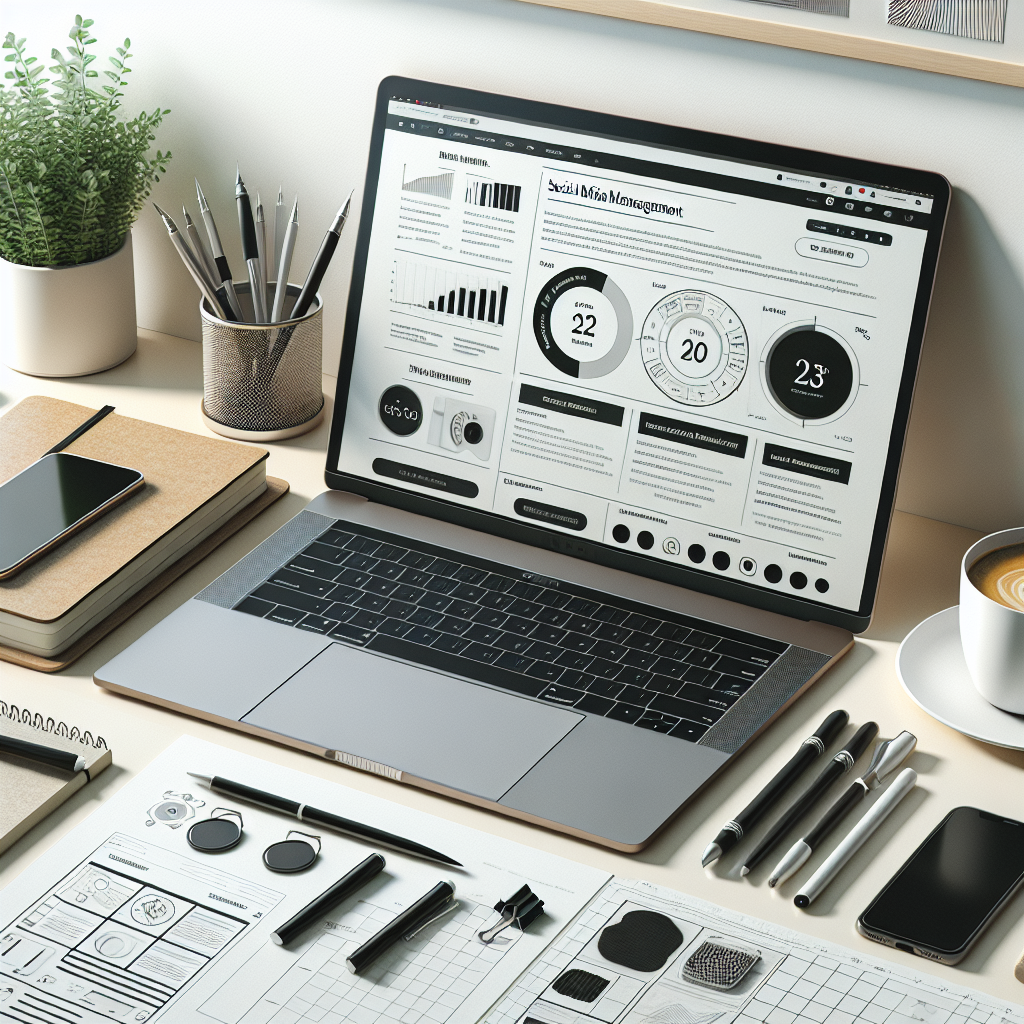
{"x":676,"y":1013}
{"x":838,"y":7}
{"x":969,"y":19}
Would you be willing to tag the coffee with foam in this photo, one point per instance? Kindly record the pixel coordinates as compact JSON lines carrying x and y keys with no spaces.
{"x":999,"y":575}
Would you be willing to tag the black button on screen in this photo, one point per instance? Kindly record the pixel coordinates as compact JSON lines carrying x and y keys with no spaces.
{"x":530,"y":509}
{"x":472,"y":432}
{"x":798,"y":581}
{"x":621,"y":533}
{"x":821,"y":586}
{"x":696,"y":553}
{"x":645,"y":539}
{"x":400,"y":410}
{"x":425,"y":478}
{"x":721,"y":560}
{"x":772,"y":573}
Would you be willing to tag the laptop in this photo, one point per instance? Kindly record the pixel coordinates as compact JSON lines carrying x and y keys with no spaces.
{"x":618,"y":426}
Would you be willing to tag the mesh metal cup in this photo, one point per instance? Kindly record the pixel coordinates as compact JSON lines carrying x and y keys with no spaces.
{"x":262,"y":379}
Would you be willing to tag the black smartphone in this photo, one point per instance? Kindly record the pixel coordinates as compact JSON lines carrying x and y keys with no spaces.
{"x":52,"y":499}
{"x":954,"y":883}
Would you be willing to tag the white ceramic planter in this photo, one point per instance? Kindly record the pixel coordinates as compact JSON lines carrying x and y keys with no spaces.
{"x":68,"y":321}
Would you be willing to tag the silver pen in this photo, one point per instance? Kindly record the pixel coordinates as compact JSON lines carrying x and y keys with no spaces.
{"x":193,"y":266}
{"x":261,"y":248}
{"x":284,"y":264}
{"x":279,"y":229}
{"x":198,"y":249}
{"x":219,"y":259}
{"x":250,"y":249}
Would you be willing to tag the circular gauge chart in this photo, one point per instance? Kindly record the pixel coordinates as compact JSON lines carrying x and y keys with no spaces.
{"x":694,"y":348}
{"x":810,"y":374}
{"x":583,"y":323}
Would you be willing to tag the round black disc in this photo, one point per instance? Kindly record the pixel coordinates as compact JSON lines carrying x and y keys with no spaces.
{"x":289,"y":856}
{"x":400,"y":410}
{"x":810,"y":374}
{"x":214,"y":835}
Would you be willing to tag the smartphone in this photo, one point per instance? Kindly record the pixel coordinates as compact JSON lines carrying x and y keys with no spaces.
{"x":53,"y":498}
{"x":952,"y":886}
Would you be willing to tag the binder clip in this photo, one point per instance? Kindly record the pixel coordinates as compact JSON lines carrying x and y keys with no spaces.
{"x":520,"y":910}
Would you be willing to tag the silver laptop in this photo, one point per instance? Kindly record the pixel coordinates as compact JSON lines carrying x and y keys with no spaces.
{"x":619,"y":421}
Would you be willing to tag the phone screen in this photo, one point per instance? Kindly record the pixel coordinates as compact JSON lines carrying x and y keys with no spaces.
{"x":51,"y":496}
{"x":952,"y":883}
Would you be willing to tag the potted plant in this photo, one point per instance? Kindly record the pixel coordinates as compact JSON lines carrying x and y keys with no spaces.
{"x":73,"y":177}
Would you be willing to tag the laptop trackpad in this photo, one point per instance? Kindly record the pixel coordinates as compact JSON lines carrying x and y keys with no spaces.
{"x":446,"y":730}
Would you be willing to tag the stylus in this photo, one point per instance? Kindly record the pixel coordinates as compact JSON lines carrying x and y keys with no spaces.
{"x":811,"y":748}
{"x":219,"y":259}
{"x":250,"y":250}
{"x":279,"y":222}
{"x":887,"y":758}
{"x":261,"y":248}
{"x":80,"y":430}
{"x":839,"y":765}
{"x":321,"y":262}
{"x":329,"y":899}
{"x":812,"y":889}
{"x":436,"y":903}
{"x":284,"y":264}
{"x":66,"y":759}
{"x":197,"y":245}
{"x":317,"y":817}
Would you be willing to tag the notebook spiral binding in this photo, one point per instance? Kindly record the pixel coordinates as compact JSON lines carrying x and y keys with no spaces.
{"x":36,"y":721}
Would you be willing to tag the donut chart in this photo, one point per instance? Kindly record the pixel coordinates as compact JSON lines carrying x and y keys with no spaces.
{"x":810,"y":374}
{"x":694,"y":347}
{"x":586,"y":333}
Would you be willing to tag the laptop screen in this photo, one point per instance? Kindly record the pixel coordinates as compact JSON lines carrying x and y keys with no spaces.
{"x":687,"y":355}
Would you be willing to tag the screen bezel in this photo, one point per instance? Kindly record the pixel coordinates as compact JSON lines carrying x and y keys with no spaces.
{"x":645,"y":132}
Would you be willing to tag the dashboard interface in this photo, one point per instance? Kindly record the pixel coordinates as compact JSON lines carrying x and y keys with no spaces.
{"x":694,"y":357}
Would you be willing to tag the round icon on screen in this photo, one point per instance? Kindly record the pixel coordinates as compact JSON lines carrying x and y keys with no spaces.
{"x":400,"y":410}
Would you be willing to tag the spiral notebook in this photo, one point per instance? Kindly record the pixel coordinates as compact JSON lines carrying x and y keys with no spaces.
{"x":31,"y":790}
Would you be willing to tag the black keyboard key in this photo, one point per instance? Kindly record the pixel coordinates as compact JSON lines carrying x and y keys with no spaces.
{"x":437,"y":602}
{"x":636,"y":695}
{"x":570,"y":659}
{"x":685,"y":709}
{"x":552,"y":598}
{"x":709,"y":698}
{"x":452,"y":644}
{"x":701,"y":676}
{"x":604,"y":669}
{"x":313,"y":567}
{"x":341,"y":612}
{"x":399,"y":609}
{"x":354,"y":578}
{"x":336,"y":537}
{"x":553,"y":617}
{"x":326,"y":553}
{"x":389,"y":570}
{"x":525,"y":590}
{"x":545,"y":670}
{"x":425,"y":617}
{"x":464,"y":609}
{"x":450,"y":624}
{"x":416,"y":560}
{"x":608,"y":613}
{"x":407,"y":593}
{"x":608,"y":631}
{"x":489,"y":617}
{"x":366,"y":620}
{"x":292,"y":599}
{"x":580,"y":624}
{"x":642,"y":642}
{"x":514,"y":662}
{"x":371,"y":602}
{"x":663,"y":684}
{"x":514,"y":643}
{"x":689,"y":731}
{"x":547,"y":634}
{"x":421,"y":635}
{"x":498,"y":582}
{"x":633,"y":676}
{"x":481,"y":652}
{"x":467,"y":592}
{"x":594,"y":704}
{"x":363,"y":544}
{"x":670,"y":631}
{"x":317,"y":624}
{"x":364,"y":563}
{"x":286,"y":616}
{"x":527,"y":609}
{"x":625,"y":712}
{"x":385,"y":588}
{"x":573,"y":677}
{"x":395,"y":627}
{"x":544,"y":652}
{"x":640,"y":659}
{"x":353,"y":634}
{"x":391,"y":552}
{"x":576,"y":642}
{"x":702,"y":659}
{"x":483,"y":634}
{"x":469,"y":574}
{"x":644,"y":623}
{"x":560,"y":695}
{"x":414,"y":577}
{"x":443,"y":567}
{"x":675,"y":651}
{"x":611,"y":652}
{"x":254,"y":606}
{"x":730,"y":684}
{"x":658,"y":723}
{"x":522,"y":627}
{"x":745,"y":652}
{"x":704,"y":640}
{"x":496,"y":600}
{"x":667,"y":667}
{"x":441,"y":585}
{"x":743,"y":669}
{"x":344,"y":594}
{"x":581,"y":606}
{"x":605,"y":687}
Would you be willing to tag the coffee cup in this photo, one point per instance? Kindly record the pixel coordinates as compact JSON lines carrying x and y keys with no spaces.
{"x":991,"y":629}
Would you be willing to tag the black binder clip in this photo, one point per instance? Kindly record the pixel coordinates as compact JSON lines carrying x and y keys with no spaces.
{"x":521,"y":910}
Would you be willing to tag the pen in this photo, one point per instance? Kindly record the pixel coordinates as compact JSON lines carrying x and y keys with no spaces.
{"x":279,"y":228}
{"x":219,"y":259}
{"x":284,"y":264}
{"x":250,"y":250}
{"x":435,"y":903}
{"x":328,"y":900}
{"x":887,"y":758}
{"x":193,"y":267}
{"x":839,"y":765}
{"x":812,"y":747}
{"x":859,"y":834}
{"x":198,"y":248}
{"x":317,"y":817}
{"x":321,"y":262}
{"x":80,"y":430}
{"x":261,"y":248}
{"x":66,"y":759}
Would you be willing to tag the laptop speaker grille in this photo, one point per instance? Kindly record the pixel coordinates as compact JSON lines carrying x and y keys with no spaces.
{"x":228,"y":589}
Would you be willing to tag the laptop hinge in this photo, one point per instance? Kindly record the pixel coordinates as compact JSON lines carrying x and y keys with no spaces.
{"x":364,"y":764}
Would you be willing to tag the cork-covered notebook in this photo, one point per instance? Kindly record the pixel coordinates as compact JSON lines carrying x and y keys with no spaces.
{"x":183,"y":472}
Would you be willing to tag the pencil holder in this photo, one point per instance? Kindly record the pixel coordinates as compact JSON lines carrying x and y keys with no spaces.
{"x":262,"y":382}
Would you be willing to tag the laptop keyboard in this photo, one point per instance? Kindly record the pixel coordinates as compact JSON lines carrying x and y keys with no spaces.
{"x":534,"y":636}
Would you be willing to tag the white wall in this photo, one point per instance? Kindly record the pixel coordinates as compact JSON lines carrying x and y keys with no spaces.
{"x":287,"y":90}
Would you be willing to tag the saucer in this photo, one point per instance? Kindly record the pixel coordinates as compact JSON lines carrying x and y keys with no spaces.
{"x":930,"y":665}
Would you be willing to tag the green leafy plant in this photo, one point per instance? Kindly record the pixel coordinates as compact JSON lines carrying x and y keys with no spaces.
{"x":73,"y":174}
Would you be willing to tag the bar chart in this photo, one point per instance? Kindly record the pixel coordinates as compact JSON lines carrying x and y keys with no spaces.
{"x":437,"y":185}
{"x":494,"y":194}
{"x":436,"y":289}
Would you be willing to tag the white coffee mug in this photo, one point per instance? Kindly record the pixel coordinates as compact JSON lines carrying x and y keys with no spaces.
{"x":992,"y":635}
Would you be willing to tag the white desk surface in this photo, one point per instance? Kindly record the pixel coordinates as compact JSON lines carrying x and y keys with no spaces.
{"x":163,"y":383}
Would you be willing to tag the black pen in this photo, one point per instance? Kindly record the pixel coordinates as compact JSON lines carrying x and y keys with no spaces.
{"x":250,"y":249}
{"x":435,"y":903}
{"x":321,"y":263}
{"x":328,"y":900}
{"x":324,"y":818}
{"x":66,"y":759}
{"x":839,"y":765}
{"x":733,"y":831}
{"x":219,"y":259}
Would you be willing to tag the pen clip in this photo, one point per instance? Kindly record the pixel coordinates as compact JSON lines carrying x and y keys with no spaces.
{"x":450,"y":907}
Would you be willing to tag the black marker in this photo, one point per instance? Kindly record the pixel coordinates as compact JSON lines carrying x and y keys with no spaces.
{"x":66,"y":759}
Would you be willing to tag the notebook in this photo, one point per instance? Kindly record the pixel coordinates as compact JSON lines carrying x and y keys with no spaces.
{"x":31,"y":790}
